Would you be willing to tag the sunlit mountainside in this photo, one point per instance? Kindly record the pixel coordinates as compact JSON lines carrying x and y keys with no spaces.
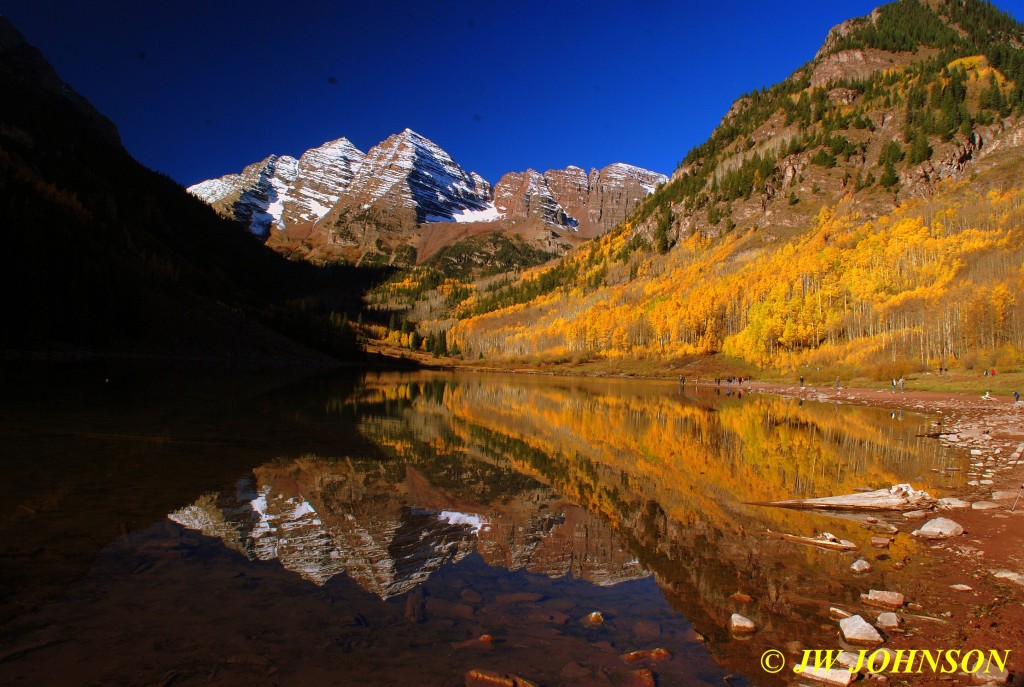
{"x":865,"y":211}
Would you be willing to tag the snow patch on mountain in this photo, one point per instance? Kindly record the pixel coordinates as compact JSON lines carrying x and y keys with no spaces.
{"x":488,"y":214}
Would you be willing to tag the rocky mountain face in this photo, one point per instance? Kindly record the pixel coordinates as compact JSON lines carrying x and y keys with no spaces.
{"x":281,"y":191}
{"x":589,"y":204}
{"x":892,"y":103}
{"x":409,"y":173}
{"x":335,"y":203}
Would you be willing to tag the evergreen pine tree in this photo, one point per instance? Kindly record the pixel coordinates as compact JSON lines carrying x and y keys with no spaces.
{"x":889,"y":177}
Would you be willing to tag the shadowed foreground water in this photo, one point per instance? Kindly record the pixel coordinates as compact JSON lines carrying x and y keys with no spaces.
{"x":215,"y":528}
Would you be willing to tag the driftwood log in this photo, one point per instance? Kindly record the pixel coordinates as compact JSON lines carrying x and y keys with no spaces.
{"x":879,"y":500}
{"x":832,"y":545}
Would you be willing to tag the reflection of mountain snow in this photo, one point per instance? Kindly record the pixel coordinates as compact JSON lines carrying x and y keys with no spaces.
{"x":350,"y":524}
{"x":387,"y":556}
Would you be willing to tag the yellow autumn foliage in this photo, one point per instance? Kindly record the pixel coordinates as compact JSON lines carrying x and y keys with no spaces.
{"x":928,"y":282}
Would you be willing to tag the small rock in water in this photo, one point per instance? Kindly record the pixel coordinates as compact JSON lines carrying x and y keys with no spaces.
{"x":961,"y":588}
{"x":856,"y":630}
{"x":984,"y":505}
{"x":952,"y":503}
{"x":694,"y":636}
{"x":594,"y":619}
{"x":939,"y":528}
{"x":741,"y":598}
{"x":916,"y":608}
{"x":838,"y":613}
{"x":888,"y":621}
{"x":518,"y":597}
{"x":488,"y":678}
{"x":871,"y":520}
{"x":794,"y":647}
{"x":634,"y":678}
{"x":471,"y":596}
{"x":647,"y":631}
{"x":915,"y":514}
{"x":658,"y":654}
{"x":740,"y":625}
{"x":880,"y":542}
{"x":883,"y":599}
{"x":860,"y":566}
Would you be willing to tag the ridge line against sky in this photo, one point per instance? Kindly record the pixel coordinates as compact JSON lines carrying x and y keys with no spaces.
{"x":200,"y":90}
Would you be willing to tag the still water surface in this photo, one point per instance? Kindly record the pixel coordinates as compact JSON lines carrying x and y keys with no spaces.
{"x":222,"y":529}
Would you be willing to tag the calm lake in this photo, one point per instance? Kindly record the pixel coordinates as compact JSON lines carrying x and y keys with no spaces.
{"x":209,"y":528}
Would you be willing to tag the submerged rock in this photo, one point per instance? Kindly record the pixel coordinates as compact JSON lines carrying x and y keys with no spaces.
{"x":984,"y":505}
{"x":952,"y":503}
{"x":488,"y":678}
{"x":860,"y":566}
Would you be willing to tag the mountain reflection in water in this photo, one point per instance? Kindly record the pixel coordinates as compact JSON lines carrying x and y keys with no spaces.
{"x":389,"y":529}
{"x":418,"y":512}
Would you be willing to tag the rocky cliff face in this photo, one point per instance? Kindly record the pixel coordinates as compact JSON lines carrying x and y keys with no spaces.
{"x":588,"y":204}
{"x":281,"y":191}
{"x":335,"y":203}
{"x":408,"y":172}
{"x":615,"y":192}
{"x":524,"y":196}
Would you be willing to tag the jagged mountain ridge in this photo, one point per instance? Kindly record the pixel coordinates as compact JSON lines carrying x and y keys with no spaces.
{"x":281,"y":190}
{"x":370,"y":205}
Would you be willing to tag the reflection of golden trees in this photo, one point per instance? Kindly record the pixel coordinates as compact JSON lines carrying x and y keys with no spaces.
{"x":928,"y":283}
{"x":612,"y":450}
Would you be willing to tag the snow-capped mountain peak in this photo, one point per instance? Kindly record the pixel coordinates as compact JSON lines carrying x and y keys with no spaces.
{"x":410,"y":171}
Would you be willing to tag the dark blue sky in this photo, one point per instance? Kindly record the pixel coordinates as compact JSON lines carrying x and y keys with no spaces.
{"x":203,"y":88}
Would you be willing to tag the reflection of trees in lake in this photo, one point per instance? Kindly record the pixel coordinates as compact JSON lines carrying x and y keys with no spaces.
{"x":671,"y":475}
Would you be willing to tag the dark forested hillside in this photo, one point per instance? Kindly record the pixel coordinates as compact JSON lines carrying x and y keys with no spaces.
{"x":104,"y":255}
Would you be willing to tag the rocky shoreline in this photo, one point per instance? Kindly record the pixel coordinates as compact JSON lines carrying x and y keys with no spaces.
{"x":965,"y":591}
